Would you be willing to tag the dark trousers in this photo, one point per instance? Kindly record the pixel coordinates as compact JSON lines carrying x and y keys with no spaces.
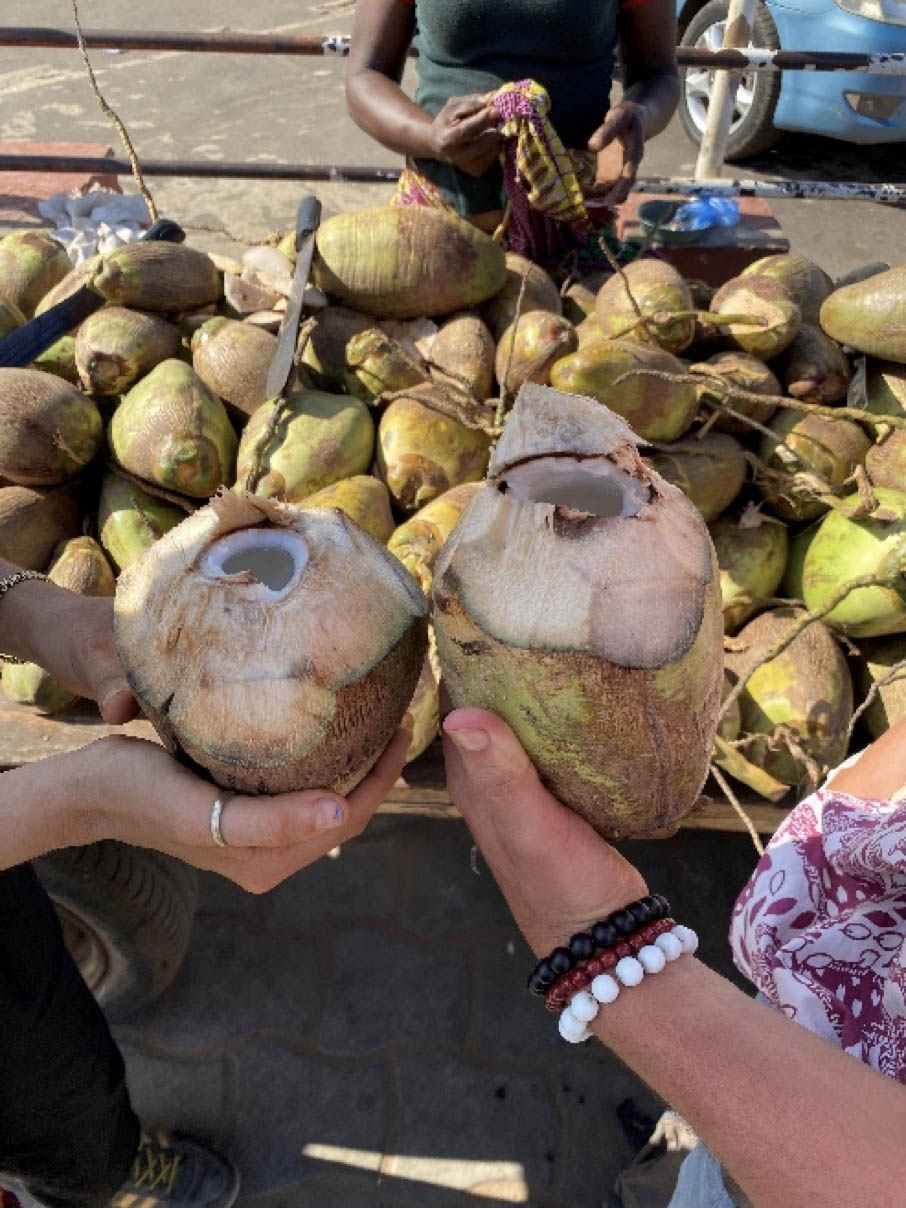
{"x":67,"y":1129}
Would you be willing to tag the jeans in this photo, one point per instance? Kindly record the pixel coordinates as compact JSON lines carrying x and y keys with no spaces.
{"x":67,"y":1129}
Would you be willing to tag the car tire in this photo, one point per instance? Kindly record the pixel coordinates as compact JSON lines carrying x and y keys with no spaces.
{"x":752,"y":132}
{"x":127,"y":916}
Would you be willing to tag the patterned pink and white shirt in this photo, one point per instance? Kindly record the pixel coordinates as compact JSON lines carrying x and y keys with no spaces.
{"x":820,"y":927}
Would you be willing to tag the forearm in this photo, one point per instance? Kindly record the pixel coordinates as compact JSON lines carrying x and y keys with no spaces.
{"x":27,"y":611}
{"x":378,"y":105}
{"x":40,"y":808}
{"x":657,"y":95}
{"x":795,"y":1120}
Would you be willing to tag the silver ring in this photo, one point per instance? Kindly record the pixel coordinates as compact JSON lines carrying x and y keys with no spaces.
{"x":216,"y":813}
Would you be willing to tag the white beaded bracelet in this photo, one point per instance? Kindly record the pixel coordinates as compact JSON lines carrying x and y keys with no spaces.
{"x":629,"y":971}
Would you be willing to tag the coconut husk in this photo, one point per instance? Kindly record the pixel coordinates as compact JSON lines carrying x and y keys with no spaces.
{"x":49,"y":431}
{"x":814,"y":369}
{"x":538,"y":293}
{"x":232,"y":359}
{"x":462,"y":355}
{"x":529,"y":347}
{"x":31,"y":263}
{"x":34,"y":521}
{"x":709,"y":470}
{"x":750,"y":375}
{"x":116,"y":346}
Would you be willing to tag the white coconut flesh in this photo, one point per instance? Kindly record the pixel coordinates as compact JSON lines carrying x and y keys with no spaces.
{"x":274,"y":559}
{"x":593,"y":486}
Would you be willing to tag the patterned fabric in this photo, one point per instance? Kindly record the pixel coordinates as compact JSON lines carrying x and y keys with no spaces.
{"x":820,"y":928}
{"x":415,"y":189}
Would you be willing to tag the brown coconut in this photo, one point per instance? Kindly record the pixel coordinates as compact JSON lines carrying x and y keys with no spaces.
{"x":749,"y":374}
{"x":49,"y":431}
{"x":709,"y":470}
{"x":578,"y":598}
{"x":462,"y":355}
{"x":529,"y":347}
{"x":277,"y":648}
{"x":162,"y":277}
{"x":540,"y":293}
{"x":33,"y":521}
{"x":814,"y":369}
{"x":324,"y":353}
{"x":232,"y":359}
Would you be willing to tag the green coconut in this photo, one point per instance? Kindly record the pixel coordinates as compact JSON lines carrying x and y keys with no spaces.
{"x":791,"y":585}
{"x":130,"y":519}
{"x":33,"y":521}
{"x":806,"y":688}
{"x":813,"y":367}
{"x":60,"y":360}
{"x":11,"y":317}
{"x":588,"y":331}
{"x":775,"y":317}
{"x":843,"y":550}
{"x":655,"y":409}
{"x":749,"y":374}
{"x":363,"y":498}
{"x":49,"y":431}
{"x":418,"y":541}
{"x":462,"y":355}
{"x":751,"y":558}
{"x":162,"y":277}
{"x":232,"y":359}
{"x":528,"y":348}
{"x":79,"y":566}
{"x":870,"y":316}
{"x":170,"y":429}
{"x":402,"y":262}
{"x":320,"y":439}
{"x":422,"y":452}
{"x":709,"y":470}
{"x":116,"y":346}
{"x":324,"y":354}
{"x":878,"y":664}
{"x":379,"y":364}
{"x":807,"y":284}
{"x":578,"y":598}
{"x":809,"y":444}
{"x":655,"y":290}
{"x":31,"y":263}
{"x":539,"y":293}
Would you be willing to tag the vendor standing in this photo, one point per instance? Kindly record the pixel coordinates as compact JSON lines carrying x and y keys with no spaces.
{"x":487,"y":71}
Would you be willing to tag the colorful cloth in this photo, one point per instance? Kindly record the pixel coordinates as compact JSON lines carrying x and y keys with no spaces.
{"x":820,"y":928}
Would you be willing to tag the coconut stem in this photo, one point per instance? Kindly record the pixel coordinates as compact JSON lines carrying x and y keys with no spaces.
{"x":506,"y":397}
{"x":893,"y":673}
{"x":802,"y":623}
{"x":255,"y":473}
{"x":731,"y":797}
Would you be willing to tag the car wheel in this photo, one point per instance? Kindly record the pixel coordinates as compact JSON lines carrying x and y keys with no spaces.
{"x":127,"y":916}
{"x":752,"y":127}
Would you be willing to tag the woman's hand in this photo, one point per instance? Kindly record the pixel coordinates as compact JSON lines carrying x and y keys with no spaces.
{"x":623,"y":127}
{"x":464,"y":134}
{"x":132,"y":790}
{"x":77,"y":648}
{"x":557,"y":874}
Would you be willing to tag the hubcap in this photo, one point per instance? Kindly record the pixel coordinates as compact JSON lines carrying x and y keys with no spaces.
{"x":699,"y":84}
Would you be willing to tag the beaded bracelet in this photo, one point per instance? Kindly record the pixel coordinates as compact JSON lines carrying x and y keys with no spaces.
{"x":563,"y":990}
{"x":618,"y":926}
{"x":628,"y":971}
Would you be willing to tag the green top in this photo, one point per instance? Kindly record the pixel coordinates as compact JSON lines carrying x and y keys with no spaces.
{"x":469,"y":46}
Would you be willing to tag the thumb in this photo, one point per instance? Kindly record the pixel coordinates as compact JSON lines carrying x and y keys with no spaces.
{"x":488,"y":755}
{"x":114,"y":697}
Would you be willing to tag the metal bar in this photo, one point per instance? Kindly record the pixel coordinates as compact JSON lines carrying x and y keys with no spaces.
{"x":741,"y":59}
{"x":360,"y":174}
{"x":713,"y":149}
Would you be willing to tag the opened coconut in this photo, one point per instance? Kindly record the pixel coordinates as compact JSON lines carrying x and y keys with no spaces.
{"x":131,"y":519}
{"x":33,"y":521}
{"x":422,"y":451}
{"x":845,"y":549}
{"x":49,"y":431}
{"x":232,"y":359}
{"x":401,"y":262}
{"x":171,"y":430}
{"x":116,"y":346}
{"x":760,"y":316}
{"x":79,"y":565}
{"x":578,"y":598}
{"x":656,"y":409}
{"x":807,"y":284}
{"x":806,"y":689}
{"x":319,"y":439}
{"x":278,"y":648}
{"x":363,"y":498}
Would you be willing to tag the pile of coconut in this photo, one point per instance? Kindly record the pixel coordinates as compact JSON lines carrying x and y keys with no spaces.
{"x":686,"y":474}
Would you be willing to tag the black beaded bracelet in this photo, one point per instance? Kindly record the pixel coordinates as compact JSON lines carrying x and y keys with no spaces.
{"x":585,"y":944}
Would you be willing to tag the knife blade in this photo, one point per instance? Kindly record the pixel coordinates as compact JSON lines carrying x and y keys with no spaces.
{"x":308,"y":217}
{"x":27,"y":342}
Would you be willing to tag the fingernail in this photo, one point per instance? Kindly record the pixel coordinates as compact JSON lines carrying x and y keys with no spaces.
{"x":469,"y":740}
{"x":328,"y":813}
{"x":408,"y":722}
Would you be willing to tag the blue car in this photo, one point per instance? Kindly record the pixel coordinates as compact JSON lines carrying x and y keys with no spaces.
{"x":855,"y":106}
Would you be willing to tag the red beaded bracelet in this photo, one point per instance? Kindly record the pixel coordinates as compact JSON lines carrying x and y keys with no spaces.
{"x":581,"y":978}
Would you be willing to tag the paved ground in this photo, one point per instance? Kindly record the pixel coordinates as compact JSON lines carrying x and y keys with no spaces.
{"x":361,"y":1036}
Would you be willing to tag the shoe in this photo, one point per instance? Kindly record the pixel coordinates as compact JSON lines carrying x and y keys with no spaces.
{"x":170,"y":1170}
